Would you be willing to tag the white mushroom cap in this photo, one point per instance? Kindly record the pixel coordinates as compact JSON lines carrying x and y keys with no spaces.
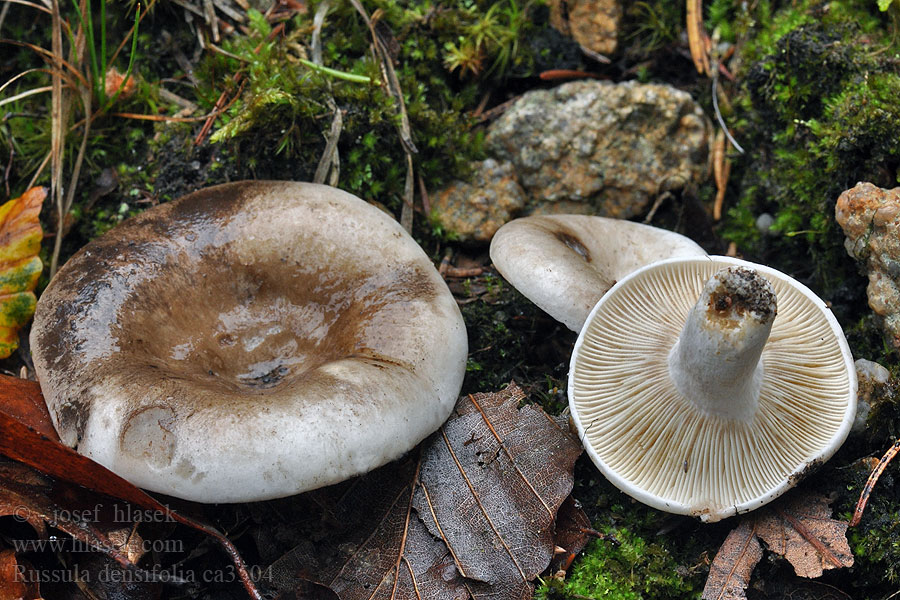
{"x":695,"y":407}
{"x":565,"y":263}
{"x":249,"y":341}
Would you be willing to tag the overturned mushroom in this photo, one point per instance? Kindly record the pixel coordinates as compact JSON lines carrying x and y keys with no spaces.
{"x":710,"y":407}
{"x":565,"y":263}
{"x":249,"y":341}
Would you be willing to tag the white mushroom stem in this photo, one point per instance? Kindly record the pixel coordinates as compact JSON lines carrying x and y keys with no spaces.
{"x":715,"y":364}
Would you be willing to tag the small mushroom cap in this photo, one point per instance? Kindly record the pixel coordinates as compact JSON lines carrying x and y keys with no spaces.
{"x":665,"y":451}
{"x":249,"y":341}
{"x":565,"y":263}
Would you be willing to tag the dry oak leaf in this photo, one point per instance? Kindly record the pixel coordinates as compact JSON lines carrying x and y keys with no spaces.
{"x":20,"y":267}
{"x":798,"y":527}
{"x":801,"y":529}
{"x":491,"y":483}
{"x":729,"y":573}
{"x":472,"y":516}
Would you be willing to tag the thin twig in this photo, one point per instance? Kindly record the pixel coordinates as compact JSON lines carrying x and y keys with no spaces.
{"x":423,"y":192}
{"x":23,"y":3}
{"x":318,"y":22}
{"x":26,"y":93}
{"x":406,"y":212}
{"x":496,"y":111}
{"x":330,"y":162}
{"x":715,"y":91}
{"x":721,"y":170}
{"x":57,"y":129}
{"x":870,"y":483}
{"x":329,"y":166}
{"x":656,"y":204}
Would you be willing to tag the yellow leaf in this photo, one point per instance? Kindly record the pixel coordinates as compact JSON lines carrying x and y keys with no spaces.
{"x":20,"y":267}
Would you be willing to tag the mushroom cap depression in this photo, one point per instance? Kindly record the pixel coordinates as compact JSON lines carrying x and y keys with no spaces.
{"x":683,"y":456}
{"x":565,"y":263}
{"x":249,"y":341}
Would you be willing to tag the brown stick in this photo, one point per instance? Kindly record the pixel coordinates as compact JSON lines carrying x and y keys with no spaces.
{"x":873,"y":478}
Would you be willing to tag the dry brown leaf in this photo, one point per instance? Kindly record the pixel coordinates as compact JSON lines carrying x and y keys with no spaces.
{"x":573,"y":532}
{"x":729,"y":573}
{"x":491,"y":484}
{"x":798,"y":527}
{"x":801,"y":529}
{"x":472,"y":516}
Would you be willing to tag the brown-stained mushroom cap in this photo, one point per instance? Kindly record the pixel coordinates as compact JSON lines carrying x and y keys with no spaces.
{"x":565,"y":263}
{"x":249,"y":341}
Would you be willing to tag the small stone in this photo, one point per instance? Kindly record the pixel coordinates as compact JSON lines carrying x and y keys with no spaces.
{"x":474,"y":210}
{"x":870,"y":218}
{"x":592,"y":23}
{"x":873,"y":380}
{"x":764,"y":223}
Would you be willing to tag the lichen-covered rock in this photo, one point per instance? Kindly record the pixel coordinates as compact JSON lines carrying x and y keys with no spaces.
{"x":870,"y":218}
{"x":611,"y":147}
{"x":592,"y":23}
{"x":474,"y":210}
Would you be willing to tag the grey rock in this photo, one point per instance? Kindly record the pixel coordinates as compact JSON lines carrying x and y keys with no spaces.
{"x":873,"y":380}
{"x":610,"y":147}
{"x":585,"y":147}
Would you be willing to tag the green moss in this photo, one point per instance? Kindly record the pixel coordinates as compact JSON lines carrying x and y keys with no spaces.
{"x":283,"y":109}
{"x":649,"y":554}
{"x":626,"y":566}
{"x":512,"y":339}
{"x":816,"y":112}
{"x":649,"y":26}
{"x":858,"y":125}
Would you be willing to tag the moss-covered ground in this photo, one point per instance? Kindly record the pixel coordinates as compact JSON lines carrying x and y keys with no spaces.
{"x":814,"y":102}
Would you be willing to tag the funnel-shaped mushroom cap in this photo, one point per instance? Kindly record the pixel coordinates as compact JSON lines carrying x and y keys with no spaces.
{"x":710,"y":408}
{"x":565,"y":263}
{"x":249,"y":341}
